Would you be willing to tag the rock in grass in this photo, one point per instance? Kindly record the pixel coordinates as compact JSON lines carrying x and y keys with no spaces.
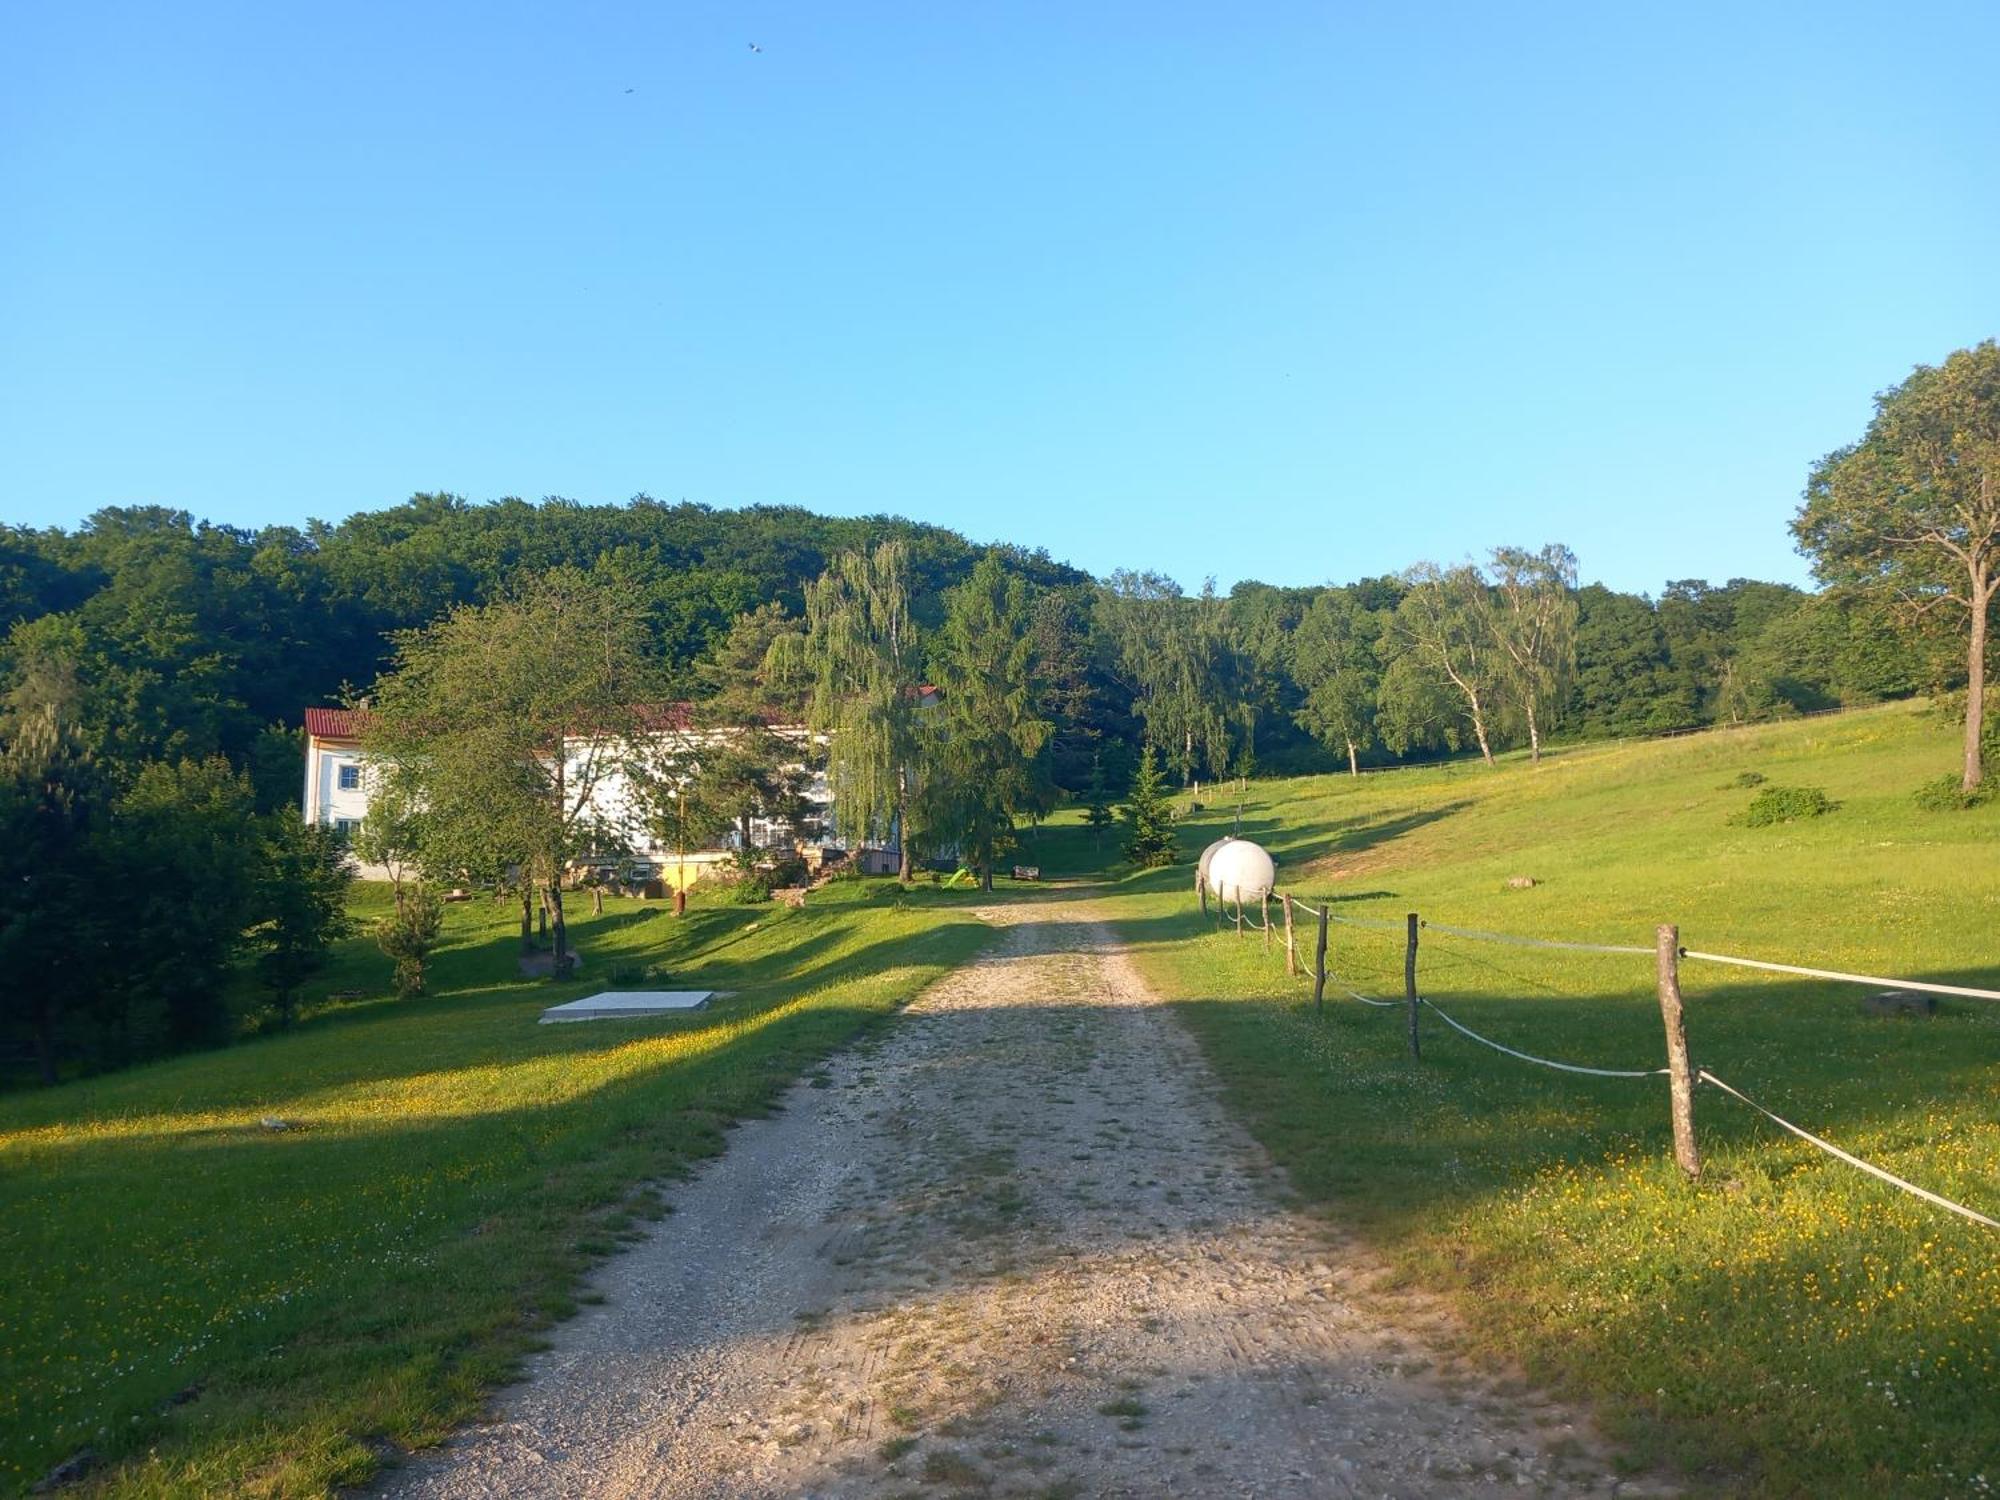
{"x":68,"y":1472}
{"x":1899,"y":1003}
{"x":1522,"y":882}
{"x":273,"y":1122}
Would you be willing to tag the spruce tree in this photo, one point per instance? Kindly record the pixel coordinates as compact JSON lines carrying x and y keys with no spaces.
{"x":1097,"y":802}
{"x":1149,"y":827}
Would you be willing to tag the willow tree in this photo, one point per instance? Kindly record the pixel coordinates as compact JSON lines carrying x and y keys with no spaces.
{"x":1534,"y":624}
{"x":860,"y":655}
{"x":503,"y":721}
{"x":1913,"y":509}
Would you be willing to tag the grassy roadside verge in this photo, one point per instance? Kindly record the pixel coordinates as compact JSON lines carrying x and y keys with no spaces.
{"x":1790,"y":1326}
{"x":216,"y":1307}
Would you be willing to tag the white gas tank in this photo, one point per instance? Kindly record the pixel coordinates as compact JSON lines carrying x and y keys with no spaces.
{"x":1209,"y":854}
{"x":1239,"y":870}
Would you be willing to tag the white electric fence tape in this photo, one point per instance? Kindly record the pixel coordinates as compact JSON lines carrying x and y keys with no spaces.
{"x":1356,"y":994}
{"x":1894,"y":984}
{"x":1853,"y":1161}
{"x":1702,"y":1074}
{"x":1528,"y":942}
{"x":1544,"y":1061}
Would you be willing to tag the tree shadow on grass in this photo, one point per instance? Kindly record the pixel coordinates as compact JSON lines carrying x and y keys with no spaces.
{"x":351,"y":1230}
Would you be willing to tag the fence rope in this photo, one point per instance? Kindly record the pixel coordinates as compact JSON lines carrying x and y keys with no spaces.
{"x":1354,"y":994}
{"x":1546,"y":1062}
{"x":1528,"y":942}
{"x":1476,"y":934}
{"x":1894,"y":984}
{"x":1853,"y":1161}
{"x":1376,"y":922}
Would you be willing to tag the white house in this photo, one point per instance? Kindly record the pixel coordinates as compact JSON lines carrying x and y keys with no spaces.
{"x":336,"y":775}
{"x":338,"y":778}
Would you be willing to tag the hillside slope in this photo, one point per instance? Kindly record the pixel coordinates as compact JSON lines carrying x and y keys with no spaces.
{"x":1788,"y":1326}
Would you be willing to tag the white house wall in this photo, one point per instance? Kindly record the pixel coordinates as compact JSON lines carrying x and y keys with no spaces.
{"x":616,"y":801}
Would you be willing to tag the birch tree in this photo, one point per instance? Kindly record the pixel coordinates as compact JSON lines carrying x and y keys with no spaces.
{"x":1534,"y":625}
{"x":1172,"y":655}
{"x":1444,"y":629}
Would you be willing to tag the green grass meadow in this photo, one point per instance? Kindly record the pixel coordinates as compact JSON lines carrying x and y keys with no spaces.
{"x":218,"y":1308}
{"x":1789,"y":1326}
{"x":214,"y":1307}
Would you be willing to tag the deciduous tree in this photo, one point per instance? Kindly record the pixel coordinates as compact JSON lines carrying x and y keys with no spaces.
{"x":860,"y":654}
{"x":1914,"y":507}
{"x":1335,"y":660}
{"x":503,"y":721}
{"x":1534,"y":625}
{"x":1444,"y":629}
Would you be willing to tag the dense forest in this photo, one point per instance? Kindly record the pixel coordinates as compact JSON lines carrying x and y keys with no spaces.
{"x":191,"y":639}
{"x":154,"y":670}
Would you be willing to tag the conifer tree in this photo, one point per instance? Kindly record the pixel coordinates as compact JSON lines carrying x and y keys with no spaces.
{"x":1149,"y":826}
{"x":1097,"y":802}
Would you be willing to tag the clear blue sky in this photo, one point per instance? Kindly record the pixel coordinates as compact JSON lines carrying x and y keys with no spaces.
{"x":1295,"y":292}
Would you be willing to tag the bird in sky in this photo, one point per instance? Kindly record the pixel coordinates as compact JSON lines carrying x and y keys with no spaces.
{"x":755,"y":48}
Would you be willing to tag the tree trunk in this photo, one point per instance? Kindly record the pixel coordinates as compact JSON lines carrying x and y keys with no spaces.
{"x":1534,"y":737}
{"x":1975,"y":681}
{"x":986,"y":877}
{"x":1479,"y":728}
{"x":45,"y":1047}
{"x":554,"y":899}
{"x":527,"y":919}
{"x":1353,"y":760}
{"x":597,"y":900}
{"x":903,"y":827}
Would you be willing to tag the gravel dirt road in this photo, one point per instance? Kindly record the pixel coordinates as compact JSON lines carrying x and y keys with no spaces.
{"x":1012,"y":1246}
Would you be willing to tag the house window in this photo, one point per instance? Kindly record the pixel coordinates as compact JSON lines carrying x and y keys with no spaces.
{"x":350,"y":778}
{"x":346,"y":828}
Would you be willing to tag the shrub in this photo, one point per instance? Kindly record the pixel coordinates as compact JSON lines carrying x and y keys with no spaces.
{"x":1787,"y":804}
{"x":1748,"y":779}
{"x":1948,"y":794}
{"x":409,"y":933}
{"x":750,"y":890}
{"x":787,"y":872}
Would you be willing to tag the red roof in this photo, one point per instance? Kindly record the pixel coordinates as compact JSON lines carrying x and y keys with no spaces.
{"x":659,"y":716}
{"x":334,"y":723}
{"x":347,"y":723}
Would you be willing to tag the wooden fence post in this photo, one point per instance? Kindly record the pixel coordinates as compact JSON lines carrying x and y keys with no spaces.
{"x":1319,"y":965}
{"x":1680,"y":1080}
{"x":1201,"y":890}
{"x":1410,"y":982}
{"x":1264,"y":910}
{"x":1291,"y":953}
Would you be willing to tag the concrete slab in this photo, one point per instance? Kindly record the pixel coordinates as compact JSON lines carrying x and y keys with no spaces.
{"x":613,"y":1004}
